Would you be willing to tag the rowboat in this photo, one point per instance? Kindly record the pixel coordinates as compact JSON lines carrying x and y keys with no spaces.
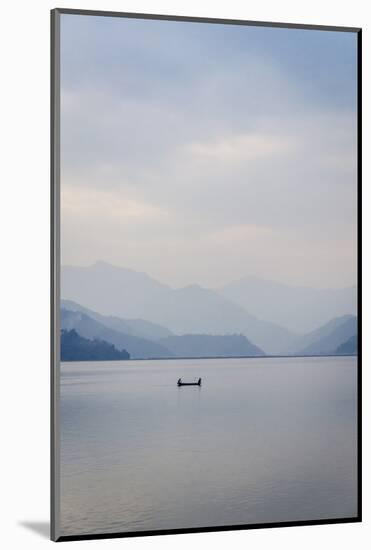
{"x":180,"y":383}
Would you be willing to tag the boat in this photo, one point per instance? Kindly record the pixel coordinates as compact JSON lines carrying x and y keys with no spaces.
{"x":180,"y":383}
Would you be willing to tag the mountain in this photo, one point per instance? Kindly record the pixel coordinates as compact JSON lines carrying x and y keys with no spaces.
{"x":93,"y":325}
{"x":205,"y":345}
{"x":112,"y":290}
{"x":139,"y":348}
{"x":197,"y":310}
{"x":135,"y":327}
{"x":125,"y":293}
{"x":350,"y":347}
{"x":299,"y":309}
{"x":76,"y":348}
{"x":329,"y":337}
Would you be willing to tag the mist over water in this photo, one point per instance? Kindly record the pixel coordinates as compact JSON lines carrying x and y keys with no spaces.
{"x":262,"y":440}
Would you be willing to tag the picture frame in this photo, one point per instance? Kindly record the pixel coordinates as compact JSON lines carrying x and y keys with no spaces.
{"x":56,"y":533}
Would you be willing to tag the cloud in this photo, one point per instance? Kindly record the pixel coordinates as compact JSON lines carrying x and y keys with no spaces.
{"x":101,"y":204}
{"x":238,"y":148}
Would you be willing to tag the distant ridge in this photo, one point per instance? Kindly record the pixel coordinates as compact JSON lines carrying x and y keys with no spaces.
{"x":91,"y":325}
{"x":76,"y":348}
{"x":87,"y":327}
{"x":134,"y":303}
{"x":339,"y":336}
{"x":204,"y":345}
{"x":330,"y":336}
{"x":134,"y":327}
{"x":298,"y":308}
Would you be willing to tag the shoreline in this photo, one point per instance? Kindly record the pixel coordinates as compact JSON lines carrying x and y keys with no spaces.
{"x":211,"y":357}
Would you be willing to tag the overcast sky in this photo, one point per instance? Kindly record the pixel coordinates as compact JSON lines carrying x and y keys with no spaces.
{"x":202,"y":153}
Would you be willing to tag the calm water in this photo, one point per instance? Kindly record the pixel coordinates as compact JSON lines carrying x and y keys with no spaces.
{"x":263,"y":440}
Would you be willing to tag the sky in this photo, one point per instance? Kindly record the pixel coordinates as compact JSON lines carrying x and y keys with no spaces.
{"x":203,"y":153}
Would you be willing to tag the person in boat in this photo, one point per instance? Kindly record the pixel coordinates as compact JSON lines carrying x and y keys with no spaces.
{"x":199,"y":381}
{"x":179,"y":381}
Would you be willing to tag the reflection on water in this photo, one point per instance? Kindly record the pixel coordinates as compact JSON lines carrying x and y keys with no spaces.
{"x":263,"y":440}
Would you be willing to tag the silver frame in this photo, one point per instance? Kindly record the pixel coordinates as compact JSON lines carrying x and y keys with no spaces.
{"x":55,"y":276}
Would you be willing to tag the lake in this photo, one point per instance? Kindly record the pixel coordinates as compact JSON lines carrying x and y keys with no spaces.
{"x":262,"y":440}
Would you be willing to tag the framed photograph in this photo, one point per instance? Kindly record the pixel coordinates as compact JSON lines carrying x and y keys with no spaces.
{"x":206,"y":281}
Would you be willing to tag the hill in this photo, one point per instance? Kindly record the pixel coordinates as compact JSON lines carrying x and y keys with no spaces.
{"x":86,"y":326}
{"x":76,"y":348}
{"x":205,"y":345}
{"x":298,"y":308}
{"x":329,"y":337}
{"x":350,"y":347}
{"x":133,"y":327}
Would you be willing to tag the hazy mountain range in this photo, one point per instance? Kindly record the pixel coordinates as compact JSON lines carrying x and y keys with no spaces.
{"x":328,"y":337}
{"x":134,"y":311}
{"x":114,"y":330}
{"x":297,"y":308}
{"x":133,"y":327}
{"x":193,"y":309}
{"x":88,"y":327}
{"x":332,"y":338}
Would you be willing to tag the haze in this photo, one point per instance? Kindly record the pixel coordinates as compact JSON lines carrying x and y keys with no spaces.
{"x":203,"y":153}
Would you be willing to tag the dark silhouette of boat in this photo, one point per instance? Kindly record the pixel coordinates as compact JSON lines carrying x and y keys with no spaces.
{"x":180,"y":383}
